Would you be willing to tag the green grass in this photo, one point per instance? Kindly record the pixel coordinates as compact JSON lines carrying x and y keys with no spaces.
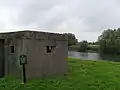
{"x":83,"y":75}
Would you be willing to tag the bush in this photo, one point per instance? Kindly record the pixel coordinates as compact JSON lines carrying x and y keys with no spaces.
{"x":83,"y":46}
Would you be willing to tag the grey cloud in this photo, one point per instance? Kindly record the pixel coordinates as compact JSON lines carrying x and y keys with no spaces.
{"x":90,"y":10}
{"x":47,"y":13}
{"x":34,"y":10}
{"x":105,"y":19}
{"x":78,"y":16}
{"x":2,"y":25}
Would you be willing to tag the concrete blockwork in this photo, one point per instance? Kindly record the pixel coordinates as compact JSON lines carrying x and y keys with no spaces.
{"x":41,"y":61}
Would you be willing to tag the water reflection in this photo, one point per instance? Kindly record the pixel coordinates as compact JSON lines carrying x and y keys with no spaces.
{"x":93,"y":56}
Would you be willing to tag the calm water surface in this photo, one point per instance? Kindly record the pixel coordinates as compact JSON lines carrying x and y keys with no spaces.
{"x":93,"y":56}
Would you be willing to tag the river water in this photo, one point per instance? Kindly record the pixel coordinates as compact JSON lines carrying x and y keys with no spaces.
{"x":93,"y":56}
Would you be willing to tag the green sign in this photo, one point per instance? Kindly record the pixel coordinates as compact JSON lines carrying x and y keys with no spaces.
{"x":23,"y":59}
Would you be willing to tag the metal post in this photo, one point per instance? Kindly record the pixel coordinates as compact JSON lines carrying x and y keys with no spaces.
{"x":24,"y":74}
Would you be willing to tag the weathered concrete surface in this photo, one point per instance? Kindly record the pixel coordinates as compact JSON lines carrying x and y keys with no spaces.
{"x":33,"y":44}
{"x":33,"y":35}
{"x":44,"y":64}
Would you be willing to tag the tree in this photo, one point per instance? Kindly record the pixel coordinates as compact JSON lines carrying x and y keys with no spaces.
{"x":72,"y":40}
{"x":83,"y":46}
{"x":110,"y":41}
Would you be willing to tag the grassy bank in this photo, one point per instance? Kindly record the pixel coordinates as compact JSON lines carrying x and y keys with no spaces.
{"x":83,"y":75}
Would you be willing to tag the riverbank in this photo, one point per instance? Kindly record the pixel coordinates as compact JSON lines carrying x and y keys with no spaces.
{"x":82,"y":75}
{"x":94,"y":56}
{"x":91,"y":48}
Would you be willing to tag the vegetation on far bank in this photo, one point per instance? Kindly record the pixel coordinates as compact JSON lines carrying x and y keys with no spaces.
{"x":90,"y":48}
{"x":82,"y":75}
{"x":108,"y":42}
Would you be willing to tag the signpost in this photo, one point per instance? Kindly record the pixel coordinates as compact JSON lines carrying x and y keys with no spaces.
{"x":23,"y":61}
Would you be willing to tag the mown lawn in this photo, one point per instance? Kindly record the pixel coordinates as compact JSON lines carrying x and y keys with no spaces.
{"x":83,"y":75}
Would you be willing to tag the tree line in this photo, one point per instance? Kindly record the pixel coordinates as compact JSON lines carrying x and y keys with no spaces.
{"x":109,"y":41}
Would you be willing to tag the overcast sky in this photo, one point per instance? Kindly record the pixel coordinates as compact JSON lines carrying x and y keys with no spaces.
{"x":85,"y":18}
